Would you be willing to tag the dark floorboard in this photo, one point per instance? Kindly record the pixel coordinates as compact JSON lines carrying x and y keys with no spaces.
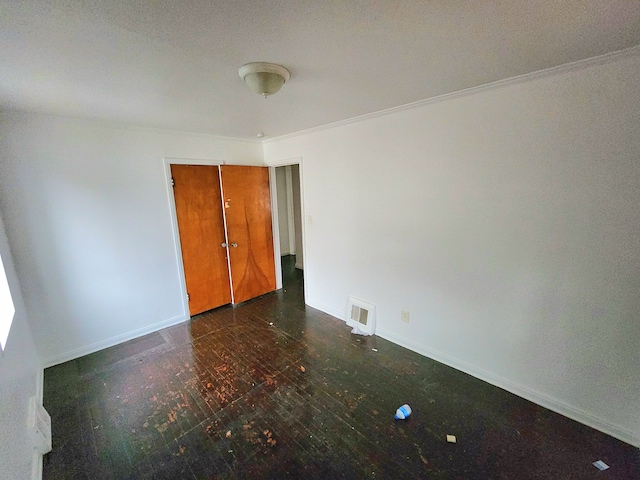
{"x":274,"y":389}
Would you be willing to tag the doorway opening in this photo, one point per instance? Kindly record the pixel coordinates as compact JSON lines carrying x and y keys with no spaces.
{"x":289,"y":215}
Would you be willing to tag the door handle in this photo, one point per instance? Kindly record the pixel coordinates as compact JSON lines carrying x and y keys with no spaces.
{"x":223,"y":244}
{"x":234,"y":245}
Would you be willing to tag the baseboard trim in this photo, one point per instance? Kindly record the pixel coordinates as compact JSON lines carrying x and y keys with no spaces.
{"x":327,"y":309}
{"x":110,"y":342}
{"x":299,"y":266}
{"x":538,"y":398}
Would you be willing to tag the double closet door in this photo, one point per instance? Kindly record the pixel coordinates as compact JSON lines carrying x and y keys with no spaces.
{"x":224,"y":222}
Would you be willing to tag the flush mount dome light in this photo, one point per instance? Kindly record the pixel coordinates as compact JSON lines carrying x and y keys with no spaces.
{"x":264,"y":78}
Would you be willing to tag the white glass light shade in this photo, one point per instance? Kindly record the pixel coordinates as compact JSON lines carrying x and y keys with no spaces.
{"x":264,"y":78}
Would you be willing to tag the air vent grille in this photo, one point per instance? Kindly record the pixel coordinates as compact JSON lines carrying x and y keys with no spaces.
{"x":361,"y":316}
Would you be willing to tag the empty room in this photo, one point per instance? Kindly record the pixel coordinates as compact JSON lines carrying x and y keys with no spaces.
{"x":294,"y":239}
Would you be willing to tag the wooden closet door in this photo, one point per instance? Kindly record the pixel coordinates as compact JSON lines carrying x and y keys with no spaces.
{"x":201,"y":226}
{"x":247,"y":204}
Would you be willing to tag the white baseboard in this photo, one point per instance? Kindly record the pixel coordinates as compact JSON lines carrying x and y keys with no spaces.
{"x":110,"y":342}
{"x":536,"y":397}
{"x":543,"y":400}
{"x":326,"y":309}
{"x":299,"y":266}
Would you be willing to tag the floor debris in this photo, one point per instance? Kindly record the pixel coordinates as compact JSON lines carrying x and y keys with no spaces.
{"x":374,"y":349}
{"x":358,"y":331}
{"x":600,"y":465}
{"x":228,"y":433}
{"x":451,"y":438}
{"x":302,"y":369}
{"x":403,"y":412}
{"x":243,"y":380}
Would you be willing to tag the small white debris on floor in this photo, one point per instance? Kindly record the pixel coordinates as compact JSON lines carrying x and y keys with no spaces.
{"x":374,"y":349}
{"x":600,"y":465}
{"x":451,"y":438}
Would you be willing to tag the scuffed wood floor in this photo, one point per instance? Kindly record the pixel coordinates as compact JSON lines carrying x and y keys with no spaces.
{"x":273,"y":389}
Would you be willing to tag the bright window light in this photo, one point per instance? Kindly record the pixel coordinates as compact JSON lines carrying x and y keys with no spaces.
{"x":7,"y":310}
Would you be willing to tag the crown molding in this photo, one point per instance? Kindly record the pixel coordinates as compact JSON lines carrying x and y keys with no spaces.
{"x":564,"y":68}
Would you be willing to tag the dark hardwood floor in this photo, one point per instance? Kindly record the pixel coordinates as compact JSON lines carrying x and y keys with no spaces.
{"x":274,"y":389}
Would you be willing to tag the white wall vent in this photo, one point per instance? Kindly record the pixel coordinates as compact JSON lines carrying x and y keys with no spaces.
{"x":39,"y":426}
{"x":361,"y":316}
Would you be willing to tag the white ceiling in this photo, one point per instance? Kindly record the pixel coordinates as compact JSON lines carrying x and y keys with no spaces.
{"x":173,"y":63}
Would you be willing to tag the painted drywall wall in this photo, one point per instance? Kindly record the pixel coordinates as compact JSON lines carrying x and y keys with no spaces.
{"x":87,"y":213}
{"x":506,"y":221}
{"x":283,"y":215}
{"x":20,"y":378}
{"x":297,"y":214}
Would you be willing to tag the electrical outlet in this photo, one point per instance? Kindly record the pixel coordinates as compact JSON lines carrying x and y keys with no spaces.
{"x":404,"y":315}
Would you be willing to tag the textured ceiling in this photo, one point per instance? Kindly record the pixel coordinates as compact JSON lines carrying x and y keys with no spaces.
{"x":173,"y":64}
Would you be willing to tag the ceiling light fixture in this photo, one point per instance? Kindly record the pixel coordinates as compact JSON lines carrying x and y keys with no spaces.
{"x":264,"y":78}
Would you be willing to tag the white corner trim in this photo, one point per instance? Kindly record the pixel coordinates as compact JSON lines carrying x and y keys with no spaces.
{"x":173,"y":214}
{"x":275,"y":228}
{"x":36,"y":466}
{"x":36,"y":461}
{"x":538,"y":398}
{"x":110,"y":342}
{"x":567,"y":67}
{"x":40,"y":385}
{"x":291,"y":229}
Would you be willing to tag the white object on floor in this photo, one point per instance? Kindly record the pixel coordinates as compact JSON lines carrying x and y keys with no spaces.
{"x":403,"y":412}
{"x":359,"y":331}
{"x":600,"y":465}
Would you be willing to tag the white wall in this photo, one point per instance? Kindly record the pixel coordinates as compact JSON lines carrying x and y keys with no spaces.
{"x":87,"y":213}
{"x":283,"y":215}
{"x":20,"y":378}
{"x":506,"y":220}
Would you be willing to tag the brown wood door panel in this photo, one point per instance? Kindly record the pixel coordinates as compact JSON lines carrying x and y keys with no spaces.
{"x":201,"y":227}
{"x":247,"y":203}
